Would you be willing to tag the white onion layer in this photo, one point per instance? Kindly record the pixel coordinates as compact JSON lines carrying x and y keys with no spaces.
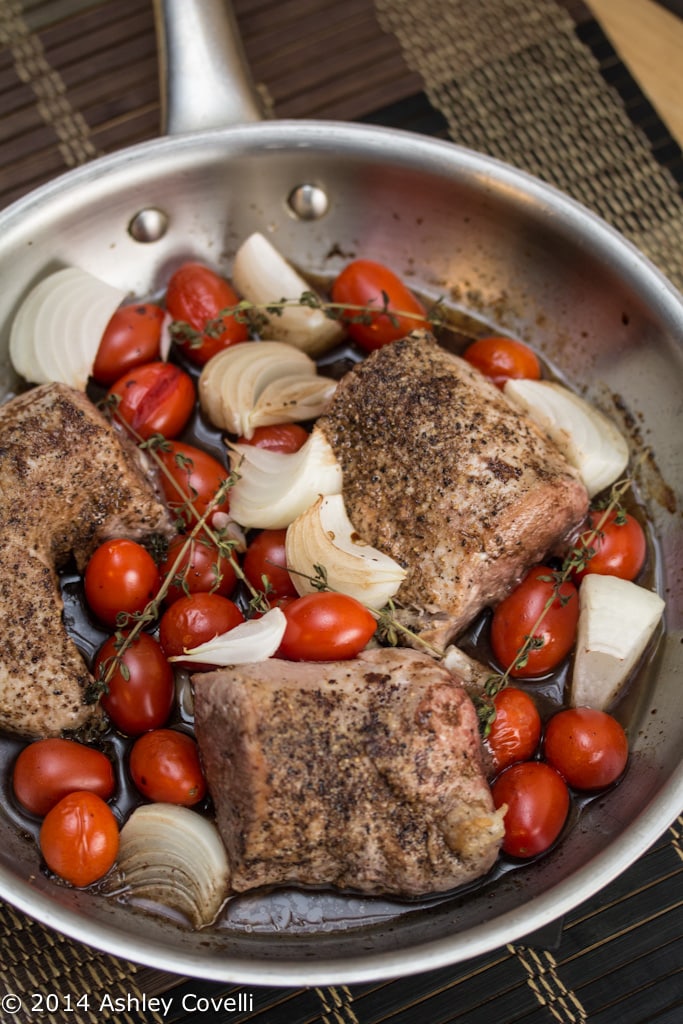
{"x":587,"y":438}
{"x":258,"y":383}
{"x":263,"y":276}
{"x":274,"y":488}
{"x":57,"y":330}
{"x":324,"y":535}
{"x":616,"y":621}
{"x":253,"y":640}
{"x":174,"y":857}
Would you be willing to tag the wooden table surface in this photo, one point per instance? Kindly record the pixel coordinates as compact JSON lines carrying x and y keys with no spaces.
{"x":649,"y":39}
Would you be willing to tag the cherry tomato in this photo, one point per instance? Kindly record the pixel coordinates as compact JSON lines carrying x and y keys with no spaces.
{"x":201,"y":570}
{"x":193,"y":620}
{"x":286,"y":438}
{"x":140,"y":689}
{"x":48,"y":770}
{"x":131,"y":338}
{"x":588,"y":747}
{"x":537,"y":801}
{"x":196,"y":480}
{"x":121,"y":577}
{"x":325,"y":627}
{"x":366,"y":283}
{"x":517,"y":615}
{"x":620,"y":546}
{"x":503,"y":359}
{"x":265,"y":556}
{"x":196,"y":295}
{"x":79,"y":838}
{"x":157,"y":398}
{"x":516,"y":729}
{"x":165,"y":767}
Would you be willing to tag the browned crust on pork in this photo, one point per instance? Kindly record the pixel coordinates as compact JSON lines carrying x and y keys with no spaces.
{"x":362,"y":775}
{"x":444,"y":474}
{"x":67,"y":482}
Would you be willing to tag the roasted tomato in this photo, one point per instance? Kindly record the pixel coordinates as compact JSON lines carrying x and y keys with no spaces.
{"x":79,"y":838}
{"x":195,"y":619}
{"x":194,"y":479}
{"x":157,"y":398}
{"x":132,"y":337}
{"x":165,"y":767}
{"x":516,"y":730}
{"x":588,"y":747}
{"x":50,"y":769}
{"x":140,"y":685}
{"x":286,"y":438}
{"x":197,"y":295}
{"x":325,"y":627}
{"x":503,"y":359}
{"x":364,"y":283}
{"x":619,"y":547}
{"x":120,"y":578}
{"x":517,"y":617}
{"x":265,"y":558}
{"x":196,"y":568}
{"x":537,"y":801}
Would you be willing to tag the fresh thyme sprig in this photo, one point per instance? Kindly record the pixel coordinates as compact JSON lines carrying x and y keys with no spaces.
{"x":256,"y":315}
{"x":391,"y":629}
{"x":576,"y":560}
{"x":129,"y":626}
{"x":224,"y":546}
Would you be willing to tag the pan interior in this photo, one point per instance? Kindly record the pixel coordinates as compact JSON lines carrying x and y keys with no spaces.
{"x":516,"y":254}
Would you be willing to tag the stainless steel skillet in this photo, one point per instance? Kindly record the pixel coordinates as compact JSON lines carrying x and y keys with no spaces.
{"x":499,"y":242}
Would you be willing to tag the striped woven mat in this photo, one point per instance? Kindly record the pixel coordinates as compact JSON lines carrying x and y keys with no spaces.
{"x":537,"y":84}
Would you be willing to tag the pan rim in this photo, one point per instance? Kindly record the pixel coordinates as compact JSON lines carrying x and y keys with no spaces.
{"x":326,"y":135}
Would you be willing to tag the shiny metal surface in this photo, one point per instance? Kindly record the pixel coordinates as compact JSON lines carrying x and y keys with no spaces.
{"x":492,"y":240}
{"x":308,"y":202}
{"x":205,"y":80}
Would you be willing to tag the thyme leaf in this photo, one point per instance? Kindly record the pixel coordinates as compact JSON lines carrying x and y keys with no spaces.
{"x":256,"y":315}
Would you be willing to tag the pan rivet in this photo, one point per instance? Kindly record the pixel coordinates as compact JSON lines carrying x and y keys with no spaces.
{"x":148,"y":225}
{"x":308,"y":202}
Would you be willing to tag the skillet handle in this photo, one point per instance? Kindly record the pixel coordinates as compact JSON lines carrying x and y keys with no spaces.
{"x":204,"y":76}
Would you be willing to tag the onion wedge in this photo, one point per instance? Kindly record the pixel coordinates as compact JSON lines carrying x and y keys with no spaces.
{"x":588,"y":439}
{"x":274,"y":488}
{"x":292,"y":399}
{"x":173,"y":857}
{"x":323,"y":535}
{"x":261,"y":382}
{"x":57,"y":330}
{"x":253,"y":640}
{"x":263,"y":276}
{"x":616,"y":621}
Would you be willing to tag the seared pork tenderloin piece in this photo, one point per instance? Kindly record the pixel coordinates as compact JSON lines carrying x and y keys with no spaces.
{"x":361,"y":775}
{"x":68,"y":481}
{"x":444,"y":474}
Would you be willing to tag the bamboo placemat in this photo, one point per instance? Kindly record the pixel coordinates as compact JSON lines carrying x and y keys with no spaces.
{"x":538,"y":85}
